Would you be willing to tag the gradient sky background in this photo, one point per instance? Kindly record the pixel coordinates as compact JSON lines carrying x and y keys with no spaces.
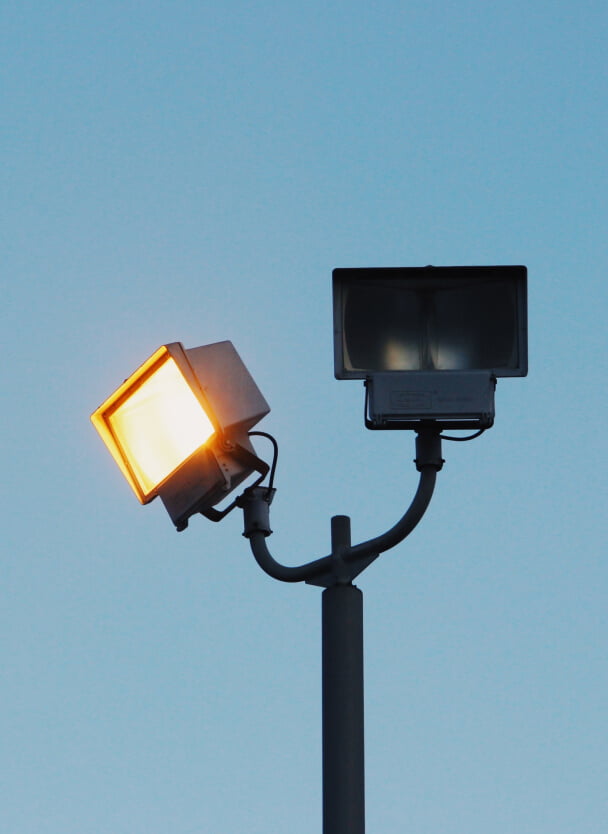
{"x":193,"y":171}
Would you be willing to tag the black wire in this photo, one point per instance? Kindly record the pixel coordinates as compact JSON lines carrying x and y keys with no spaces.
{"x":275,"y":446}
{"x":462,"y":439}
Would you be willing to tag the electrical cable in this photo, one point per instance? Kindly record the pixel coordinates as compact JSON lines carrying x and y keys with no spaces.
{"x":275,"y":458}
{"x":462,"y":439}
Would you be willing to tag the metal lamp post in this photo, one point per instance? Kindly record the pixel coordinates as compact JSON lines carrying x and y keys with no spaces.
{"x":429,"y":343}
{"x":342,"y":631}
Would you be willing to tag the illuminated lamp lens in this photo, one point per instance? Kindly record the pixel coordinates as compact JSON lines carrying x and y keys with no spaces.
{"x":159,"y":424}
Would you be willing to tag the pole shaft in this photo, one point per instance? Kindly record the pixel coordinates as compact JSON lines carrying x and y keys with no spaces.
{"x":343,"y":754}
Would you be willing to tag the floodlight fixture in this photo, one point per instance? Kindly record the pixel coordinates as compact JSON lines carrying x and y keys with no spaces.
{"x":178,"y":428}
{"x":430,"y":341}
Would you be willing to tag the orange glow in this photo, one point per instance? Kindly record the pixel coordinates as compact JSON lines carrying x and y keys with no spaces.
{"x":152,"y":423}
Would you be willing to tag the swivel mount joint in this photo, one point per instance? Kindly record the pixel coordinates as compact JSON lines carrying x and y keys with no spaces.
{"x":255,"y":503}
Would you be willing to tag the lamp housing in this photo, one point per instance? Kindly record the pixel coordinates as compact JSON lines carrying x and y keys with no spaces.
{"x":430,"y":341}
{"x":178,"y":427}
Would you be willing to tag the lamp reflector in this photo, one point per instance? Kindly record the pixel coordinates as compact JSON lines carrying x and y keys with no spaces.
{"x":159,"y":425}
{"x":155,"y":420}
{"x":430,"y":319}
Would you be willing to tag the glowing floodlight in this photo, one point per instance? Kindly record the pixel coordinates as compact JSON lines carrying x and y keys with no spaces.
{"x":178,"y":427}
{"x":430,"y":341}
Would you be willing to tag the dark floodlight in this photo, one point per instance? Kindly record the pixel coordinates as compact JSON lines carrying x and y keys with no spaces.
{"x":430,"y":341}
{"x":178,"y":427}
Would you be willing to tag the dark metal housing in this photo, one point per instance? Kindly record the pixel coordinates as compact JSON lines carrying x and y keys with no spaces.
{"x":430,"y":341}
{"x":445,"y":318}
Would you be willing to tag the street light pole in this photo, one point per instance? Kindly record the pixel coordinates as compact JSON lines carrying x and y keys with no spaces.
{"x":429,"y":343}
{"x":342,"y":629}
{"x":343,"y":719}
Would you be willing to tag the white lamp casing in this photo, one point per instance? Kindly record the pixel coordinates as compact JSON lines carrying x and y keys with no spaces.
{"x":212,"y":378}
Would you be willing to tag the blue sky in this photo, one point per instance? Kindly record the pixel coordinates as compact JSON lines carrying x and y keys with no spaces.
{"x":193,"y":172}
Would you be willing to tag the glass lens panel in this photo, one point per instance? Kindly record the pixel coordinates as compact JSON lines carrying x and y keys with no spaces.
{"x":159,"y":425}
{"x":383,"y":329}
{"x":474,"y":326}
{"x":430,"y":325}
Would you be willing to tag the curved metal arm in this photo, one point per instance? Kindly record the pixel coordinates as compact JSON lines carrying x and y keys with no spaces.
{"x":404,"y":526}
{"x":301,"y":573}
{"x":348,"y":560}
